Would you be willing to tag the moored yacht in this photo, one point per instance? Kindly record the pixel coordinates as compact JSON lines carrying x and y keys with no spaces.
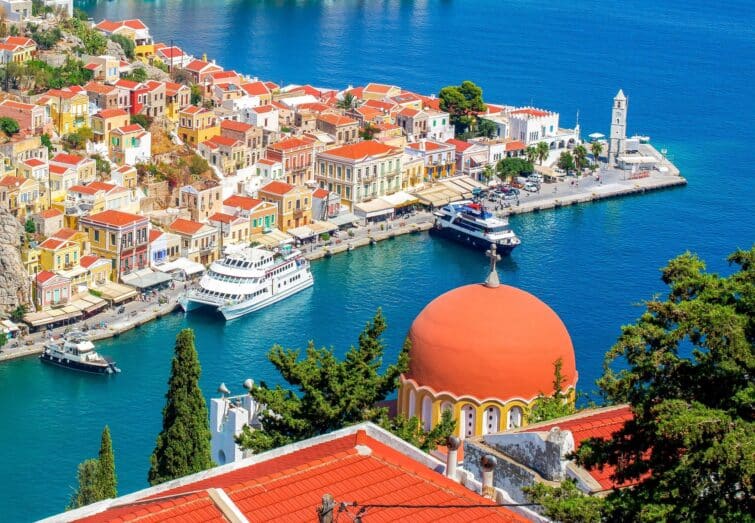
{"x":75,"y":351}
{"x":249,"y":279}
{"x":470,"y":224}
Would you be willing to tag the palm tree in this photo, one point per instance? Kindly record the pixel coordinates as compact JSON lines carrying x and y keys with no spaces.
{"x":347,"y":102}
{"x":487,"y":173}
{"x":580,"y":156}
{"x":596,"y":148}
{"x":532,"y":153}
{"x":542,"y":151}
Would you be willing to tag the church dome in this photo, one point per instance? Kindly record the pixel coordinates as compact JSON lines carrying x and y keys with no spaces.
{"x":489,"y":342}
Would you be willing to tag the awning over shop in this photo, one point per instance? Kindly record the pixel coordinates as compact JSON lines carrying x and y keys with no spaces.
{"x":638,"y":160}
{"x":438,"y":195}
{"x":88,"y":303}
{"x":37,"y":319}
{"x":547,"y":172}
{"x":345,"y":218}
{"x":115,"y":292}
{"x":400,"y":199}
{"x":322,"y":227}
{"x":464,"y":185}
{"x":302,"y":233}
{"x":273,"y":238}
{"x":181,"y":264}
{"x":8,"y":327}
{"x":145,"y":279}
{"x":373,"y":208}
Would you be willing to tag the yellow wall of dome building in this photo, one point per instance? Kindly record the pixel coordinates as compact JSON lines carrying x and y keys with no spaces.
{"x":485,"y":351}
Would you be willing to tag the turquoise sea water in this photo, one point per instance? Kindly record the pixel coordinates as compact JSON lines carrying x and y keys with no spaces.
{"x":687,"y":68}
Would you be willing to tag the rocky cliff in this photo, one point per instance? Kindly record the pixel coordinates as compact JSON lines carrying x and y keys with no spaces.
{"x":14,"y":282}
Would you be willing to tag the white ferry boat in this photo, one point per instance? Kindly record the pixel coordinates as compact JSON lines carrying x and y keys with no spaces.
{"x":470,"y":224}
{"x":249,"y":279}
{"x":75,"y":351}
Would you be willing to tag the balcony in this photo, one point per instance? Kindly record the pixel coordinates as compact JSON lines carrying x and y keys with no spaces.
{"x":298,"y":213}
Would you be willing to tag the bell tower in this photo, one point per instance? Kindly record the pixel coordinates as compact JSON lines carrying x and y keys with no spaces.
{"x":618,"y":126}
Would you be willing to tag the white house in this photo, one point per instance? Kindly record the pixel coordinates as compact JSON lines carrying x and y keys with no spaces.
{"x":265,"y":116}
{"x":16,"y":10}
{"x":439,"y":126}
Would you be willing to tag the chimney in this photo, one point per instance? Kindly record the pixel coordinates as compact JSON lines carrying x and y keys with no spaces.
{"x":453,"y":456}
{"x":422,"y":144}
{"x":325,"y":511}
{"x":488,"y":464}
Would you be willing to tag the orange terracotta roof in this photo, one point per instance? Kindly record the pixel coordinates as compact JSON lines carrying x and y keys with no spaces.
{"x":317,"y":107}
{"x":272,"y":85}
{"x":291,"y":143}
{"x":408,"y":112}
{"x":600,"y":425}
{"x":185,"y":226}
{"x":67,"y":159}
{"x":64,"y":233}
{"x":531,"y":112}
{"x":320,"y":193}
{"x":170,"y":52}
{"x":369,"y":113}
{"x":131,"y":128}
{"x":154,"y":234}
{"x":361,"y":150}
{"x":197,"y":66}
{"x":289,"y":487}
{"x":473,"y":332}
{"x":53,"y":244}
{"x":111,"y":113}
{"x":378,"y":88}
{"x":102,"y":186}
{"x":515,"y":145}
{"x":262,"y":109}
{"x":34,"y":162}
{"x":83,"y":189}
{"x":336,"y":119}
{"x":233,"y":125}
{"x":43,"y":276}
{"x":96,"y":87}
{"x":307,"y":89}
{"x":50,"y":213}
{"x":12,"y":181}
{"x":379,"y":104}
{"x":222,"y":217}
{"x":460,"y":145}
{"x":428,"y":146}
{"x":20,"y":40}
{"x":267,"y":161}
{"x":224,"y":141}
{"x":17,"y":105}
{"x":277,"y":187}
{"x":114,"y":218}
{"x":242,"y":202}
{"x":89,"y":260}
{"x":57,"y":169}
{"x":128,"y":84}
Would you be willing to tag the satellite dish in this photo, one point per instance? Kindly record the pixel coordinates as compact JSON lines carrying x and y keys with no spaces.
{"x":223,"y":389}
{"x":249,"y":384}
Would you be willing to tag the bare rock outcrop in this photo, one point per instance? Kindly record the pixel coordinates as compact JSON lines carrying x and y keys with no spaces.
{"x":14,"y":282}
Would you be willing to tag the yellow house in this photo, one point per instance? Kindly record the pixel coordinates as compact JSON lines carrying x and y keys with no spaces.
{"x":58,"y":255}
{"x":235,"y":229}
{"x":125,"y":176}
{"x":412,"y":171}
{"x":61,"y":179}
{"x":177,"y":96}
{"x":133,"y":29}
{"x":69,"y":109}
{"x":86,"y":168}
{"x":294,"y":203}
{"x":20,"y":196}
{"x":98,"y":270}
{"x":106,"y":121}
{"x":17,"y":49}
{"x":30,"y":259}
{"x":197,"y":124}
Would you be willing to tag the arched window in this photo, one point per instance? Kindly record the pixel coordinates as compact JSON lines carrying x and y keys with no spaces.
{"x":412,"y":403}
{"x":515,"y":418}
{"x":468,"y":420}
{"x":491,"y":424}
{"x":221,"y":457}
{"x":427,"y":413}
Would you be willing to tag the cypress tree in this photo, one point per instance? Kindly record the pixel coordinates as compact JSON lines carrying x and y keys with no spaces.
{"x":108,"y":481}
{"x":183,"y":445}
{"x":89,"y":485}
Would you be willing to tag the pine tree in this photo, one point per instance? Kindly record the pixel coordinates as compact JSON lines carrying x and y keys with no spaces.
{"x":89,"y":485}
{"x":183,"y":445}
{"x":331,"y":394}
{"x":685,"y":368}
{"x":411,"y":430}
{"x":108,"y":481}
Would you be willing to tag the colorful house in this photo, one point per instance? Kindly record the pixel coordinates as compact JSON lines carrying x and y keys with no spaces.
{"x":373,"y":91}
{"x":177,"y":97}
{"x":51,"y":290}
{"x":199,"y":241}
{"x":163,"y":247}
{"x":130,"y":145}
{"x":135,"y":30}
{"x":234,"y":229}
{"x":198,"y":69}
{"x":224,"y":153}
{"x":103,"y":96}
{"x":31,"y":118}
{"x":247,"y":134}
{"x":120,"y":237}
{"x":58,"y":255}
{"x":297,"y":157}
{"x":172,"y":56}
{"x":105,"y":121}
{"x":196,"y":125}
{"x":202,"y":200}
{"x":294,"y":203}
{"x":439,"y":158}
{"x":61,"y":179}
{"x":48,"y":221}
{"x":35,"y":169}
{"x":86,"y":168}
{"x":69,"y":109}
{"x":98,"y":270}
{"x":260,"y":215}
{"x":19,"y":196}
{"x":342,"y":128}
{"x":125,"y":176}
{"x":17,"y":49}
{"x":104,"y":68}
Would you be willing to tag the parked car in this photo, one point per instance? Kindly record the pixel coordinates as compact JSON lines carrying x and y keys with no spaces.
{"x":535,"y":177}
{"x":531,"y":187}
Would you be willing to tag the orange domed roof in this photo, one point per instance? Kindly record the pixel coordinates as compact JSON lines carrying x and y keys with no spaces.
{"x":489,"y":342}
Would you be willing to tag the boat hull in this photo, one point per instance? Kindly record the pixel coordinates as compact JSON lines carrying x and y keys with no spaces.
{"x":78,"y":366}
{"x":231,"y":312}
{"x":470,"y":241}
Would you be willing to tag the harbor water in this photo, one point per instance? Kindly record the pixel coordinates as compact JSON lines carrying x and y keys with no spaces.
{"x":687,"y":68}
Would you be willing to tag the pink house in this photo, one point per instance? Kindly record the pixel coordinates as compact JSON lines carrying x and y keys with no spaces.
{"x":51,"y":289}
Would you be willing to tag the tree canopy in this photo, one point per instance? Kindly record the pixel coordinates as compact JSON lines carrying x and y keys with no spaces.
{"x":330,"y":393}
{"x":566,"y":161}
{"x":96,"y":477}
{"x":183,"y":445}
{"x":513,"y":167}
{"x":686,"y":369}
{"x":555,"y":405}
{"x":9,"y":126}
{"x":107,"y":479}
{"x":462,"y":102}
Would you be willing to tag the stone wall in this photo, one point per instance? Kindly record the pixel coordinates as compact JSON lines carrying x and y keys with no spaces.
{"x":15,"y":284}
{"x":544,"y":452}
{"x":508,"y":475}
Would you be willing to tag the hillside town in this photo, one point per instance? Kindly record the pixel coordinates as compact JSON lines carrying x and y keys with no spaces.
{"x":130,"y":164}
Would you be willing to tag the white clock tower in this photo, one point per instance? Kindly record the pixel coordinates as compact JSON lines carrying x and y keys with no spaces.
{"x":618,"y":126}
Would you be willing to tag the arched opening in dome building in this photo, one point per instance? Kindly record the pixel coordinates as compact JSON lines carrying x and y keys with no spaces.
{"x":492,"y":416}
{"x":515,"y":418}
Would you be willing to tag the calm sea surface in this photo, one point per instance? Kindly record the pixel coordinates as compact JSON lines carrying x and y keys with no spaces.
{"x":687,"y":68}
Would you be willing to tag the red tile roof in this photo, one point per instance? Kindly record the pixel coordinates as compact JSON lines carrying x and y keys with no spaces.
{"x":320,"y":193}
{"x":185,"y":226}
{"x":114,"y":218}
{"x":20,"y":40}
{"x":603,"y":425}
{"x":317,"y":107}
{"x":378,"y":88}
{"x":171,"y":52}
{"x":154,"y":234}
{"x":132,"y":128}
{"x":224,"y":141}
{"x":111,"y":113}
{"x":379,"y":104}
{"x":50,"y":213}
{"x":17,"y":105}
{"x":64,"y":233}
{"x":67,"y":159}
{"x":43,"y":276}
{"x":243,"y":202}
{"x":12,"y":181}
{"x":428,"y":146}
{"x":53,"y":244}
{"x":102,"y":186}
{"x":222,"y":217}
{"x":461,"y":145}
{"x":83,"y":189}
{"x":515,"y":145}
{"x":289,"y":487}
{"x":89,"y":260}
{"x":277,"y":187}
{"x":307,"y":89}
{"x":361,"y":150}
{"x":291,"y":143}
{"x":336,"y":119}
{"x":197,"y":66}
{"x":127,"y":84}
{"x":531,"y":112}
{"x":34,"y":162}
{"x":233,"y":125}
